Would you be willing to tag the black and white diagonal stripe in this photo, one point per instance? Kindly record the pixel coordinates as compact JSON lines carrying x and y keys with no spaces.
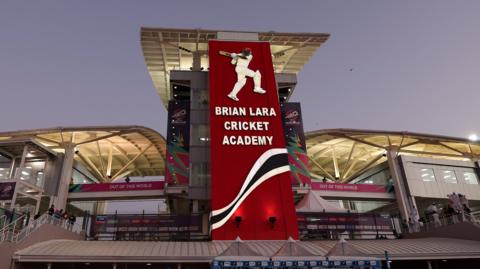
{"x":271,"y":163}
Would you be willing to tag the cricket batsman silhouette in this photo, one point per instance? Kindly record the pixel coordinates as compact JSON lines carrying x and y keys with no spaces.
{"x":241,"y":62}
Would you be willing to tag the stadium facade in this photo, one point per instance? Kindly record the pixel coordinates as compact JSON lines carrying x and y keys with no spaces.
{"x":243,"y":184}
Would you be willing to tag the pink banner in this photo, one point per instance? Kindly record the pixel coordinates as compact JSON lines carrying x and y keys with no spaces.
{"x":320,"y":186}
{"x":101,"y":187}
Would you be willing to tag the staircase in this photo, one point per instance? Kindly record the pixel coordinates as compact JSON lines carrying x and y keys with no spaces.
{"x":15,"y":232}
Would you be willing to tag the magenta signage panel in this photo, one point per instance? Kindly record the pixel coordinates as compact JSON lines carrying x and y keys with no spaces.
{"x":103,"y":187}
{"x":320,"y":186}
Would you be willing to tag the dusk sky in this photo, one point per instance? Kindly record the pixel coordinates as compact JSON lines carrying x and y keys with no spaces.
{"x":415,"y":64}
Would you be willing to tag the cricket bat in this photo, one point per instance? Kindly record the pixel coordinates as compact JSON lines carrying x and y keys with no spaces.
{"x":224,"y":53}
{"x":228,"y":54}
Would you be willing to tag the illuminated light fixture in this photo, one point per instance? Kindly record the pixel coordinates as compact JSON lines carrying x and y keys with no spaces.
{"x":1,"y":175}
{"x":22,"y":178}
{"x":28,"y":167}
{"x":272,"y":221}
{"x":25,"y":173}
{"x":149,"y":264}
{"x":238,"y":219}
{"x":473,"y":137}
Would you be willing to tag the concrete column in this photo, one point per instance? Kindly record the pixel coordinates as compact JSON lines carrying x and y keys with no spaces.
{"x":60,"y":200}
{"x":401,"y":194}
{"x":429,"y":264}
{"x":14,"y":197}
{"x":22,"y":162}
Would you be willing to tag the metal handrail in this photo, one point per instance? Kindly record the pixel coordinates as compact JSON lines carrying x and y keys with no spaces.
{"x":3,"y":221}
{"x":8,"y":231}
{"x":46,"y":219}
{"x":443,"y":221}
{"x":17,"y":235}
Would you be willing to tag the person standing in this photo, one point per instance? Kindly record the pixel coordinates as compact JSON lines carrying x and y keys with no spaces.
{"x":414,"y":220}
{"x":51,"y":210}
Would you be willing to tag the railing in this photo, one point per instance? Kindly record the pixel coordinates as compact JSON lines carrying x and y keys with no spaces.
{"x":443,"y":221}
{"x":3,"y":221}
{"x":316,"y":226}
{"x":9,"y":231}
{"x":13,"y":234}
{"x":146,"y":227}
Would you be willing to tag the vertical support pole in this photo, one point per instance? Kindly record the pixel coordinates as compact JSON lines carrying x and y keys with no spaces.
{"x":387,"y":259}
{"x":179,"y":266}
{"x":114,"y":266}
{"x":197,"y":61}
{"x":17,"y":176}
{"x":37,"y":206}
{"x":60,"y":200}
{"x":22,"y":162}
{"x":399,"y":184}
{"x":109,"y":161}
{"x":14,"y":198}
{"x":335,"y":164}
{"x":429,"y":264}
{"x":376,"y":226}
{"x":49,"y":266}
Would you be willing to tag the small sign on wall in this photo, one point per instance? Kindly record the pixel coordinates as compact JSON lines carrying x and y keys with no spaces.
{"x":7,"y":189}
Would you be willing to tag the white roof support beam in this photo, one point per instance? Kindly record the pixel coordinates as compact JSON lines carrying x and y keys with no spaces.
{"x":131,"y":161}
{"x":322,"y":169}
{"x":102,"y":164}
{"x":102,"y":137}
{"x":335,"y":164}
{"x":91,"y":165}
{"x":109,"y":160}
{"x":367,"y":166}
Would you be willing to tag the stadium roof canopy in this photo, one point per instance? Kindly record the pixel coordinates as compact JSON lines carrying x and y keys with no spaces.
{"x":168,"y":49}
{"x":138,"y":251}
{"x":108,"y":152}
{"x":343,"y":154}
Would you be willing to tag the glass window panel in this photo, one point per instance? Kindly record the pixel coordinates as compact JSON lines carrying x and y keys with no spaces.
{"x":470,"y":178}
{"x":449,"y":176}
{"x":427,"y":174}
{"x":80,"y":178}
{"x":4,"y":167}
{"x":4,"y":173}
{"x":40,"y":179}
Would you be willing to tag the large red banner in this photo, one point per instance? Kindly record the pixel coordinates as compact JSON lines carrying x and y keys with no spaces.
{"x":251,"y":190}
